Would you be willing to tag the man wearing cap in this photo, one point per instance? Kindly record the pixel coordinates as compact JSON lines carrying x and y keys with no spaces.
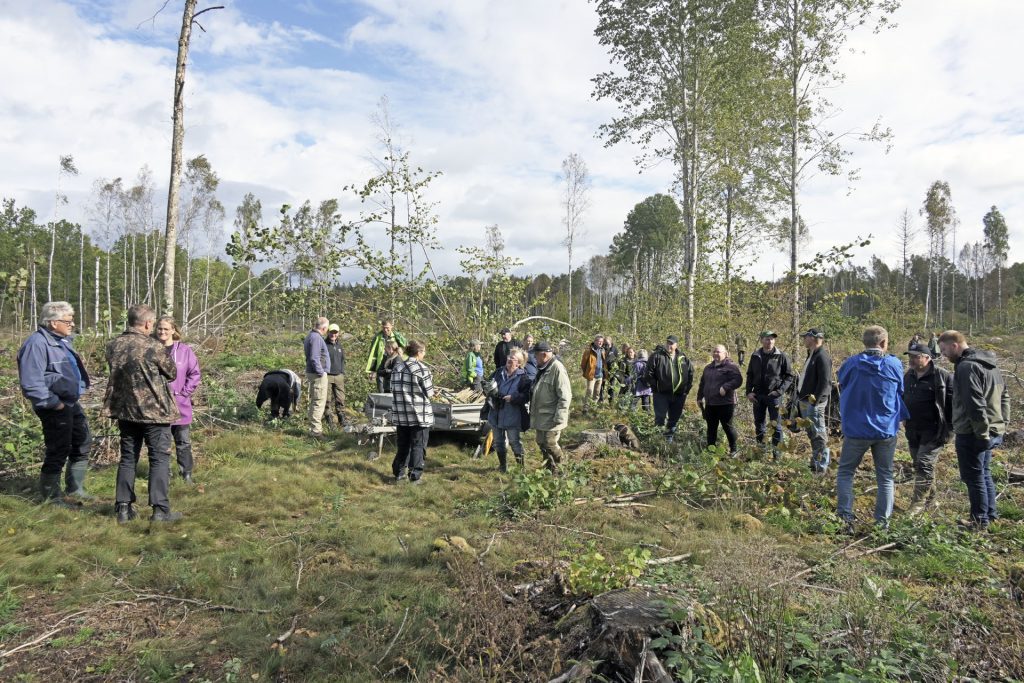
{"x":670,"y":375}
{"x":318,"y":361}
{"x":769,"y":377}
{"x":473,"y":366}
{"x":928,"y":394}
{"x":593,"y":365}
{"x":871,"y":407}
{"x":335,"y":375}
{"x":503,"y":348}
{"x":813,"y":394}
{"x":981,"y":409}
{"x":549,"y":404}
{"x":377,"y":356}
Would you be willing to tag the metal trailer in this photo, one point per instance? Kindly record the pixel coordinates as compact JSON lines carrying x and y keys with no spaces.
{"x":448,"y":417}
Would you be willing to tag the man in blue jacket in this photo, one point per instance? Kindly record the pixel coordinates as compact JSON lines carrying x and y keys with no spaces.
{"x":871,"y":407}
{"x":53,"y":378}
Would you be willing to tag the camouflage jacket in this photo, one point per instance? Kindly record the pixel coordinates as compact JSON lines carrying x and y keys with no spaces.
{"x":140,"y":369}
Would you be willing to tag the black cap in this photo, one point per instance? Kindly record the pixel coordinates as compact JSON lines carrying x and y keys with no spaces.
{"x":814,"y":332}
{"x":672,"y":339}
{"x":504,"y":330}
{"x":542,"y":346}
{"x":917,"y":350}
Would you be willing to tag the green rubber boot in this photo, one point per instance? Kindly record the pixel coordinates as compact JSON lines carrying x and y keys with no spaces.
{"x":49,"y":488}
{"x":75,"y":480}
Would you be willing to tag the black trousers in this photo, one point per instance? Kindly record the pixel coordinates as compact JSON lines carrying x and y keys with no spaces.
{"x":721,"y":415}
{"x":158,"y":440}
{"x":411,"y":450}
{"x":183,"y":448}
{"x":667,"y":410}
{"x":66,"y":437}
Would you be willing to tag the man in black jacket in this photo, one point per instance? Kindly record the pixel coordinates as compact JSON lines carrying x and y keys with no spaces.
{"x":928,"y":394}
{"x":335,"y":376}
{"x":769,"y":376}
{"x":670,"y":375}
{"x":503,"y":348}
{"x":812,"y":397}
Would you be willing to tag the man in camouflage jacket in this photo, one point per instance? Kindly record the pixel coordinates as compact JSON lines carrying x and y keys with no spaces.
{"x":139,"y":398}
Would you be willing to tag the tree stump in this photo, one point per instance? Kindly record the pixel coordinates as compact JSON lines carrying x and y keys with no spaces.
{"x":609,"y":437}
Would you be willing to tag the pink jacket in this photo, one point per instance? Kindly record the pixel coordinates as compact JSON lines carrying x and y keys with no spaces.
{"x":187,"y":380}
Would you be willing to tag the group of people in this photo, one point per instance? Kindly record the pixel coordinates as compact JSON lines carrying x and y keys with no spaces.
{"x":153,"y":376}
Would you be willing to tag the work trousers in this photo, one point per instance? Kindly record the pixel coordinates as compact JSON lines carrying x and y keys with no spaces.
{"x":157,"y":438}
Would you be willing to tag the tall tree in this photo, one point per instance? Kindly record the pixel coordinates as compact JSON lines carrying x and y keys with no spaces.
{"x":997,"y":243}
{"x":575,"y":200}
{"x":66,"y":167}
{"x":188,"y":18}
{"x":809,"y":35}
{"x":939,"y":217}
{"x":905,"y":234}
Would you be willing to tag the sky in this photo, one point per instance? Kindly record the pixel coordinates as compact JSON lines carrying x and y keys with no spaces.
{"x":494,"y":95}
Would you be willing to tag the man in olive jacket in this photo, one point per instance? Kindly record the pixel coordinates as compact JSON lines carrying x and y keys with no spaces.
{"x":549,"y":404}
{"x":981,"y":408}
{"x":139,"y":398}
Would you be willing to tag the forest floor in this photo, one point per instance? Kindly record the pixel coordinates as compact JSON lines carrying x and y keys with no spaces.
{"x":301,"y":560}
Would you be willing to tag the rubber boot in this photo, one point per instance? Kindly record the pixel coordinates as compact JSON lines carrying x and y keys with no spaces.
{"x":74,"y":478}
{"x":49,"y":488}
{"x":125,"y":513}
{"x":503,"y":462}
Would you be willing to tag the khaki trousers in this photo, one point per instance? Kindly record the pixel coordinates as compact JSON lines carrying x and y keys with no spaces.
{"x":549,"y":448}
{"x":317,"y":401}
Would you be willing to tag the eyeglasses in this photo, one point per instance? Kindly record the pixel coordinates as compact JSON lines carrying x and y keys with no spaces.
{"x":70,"y":323}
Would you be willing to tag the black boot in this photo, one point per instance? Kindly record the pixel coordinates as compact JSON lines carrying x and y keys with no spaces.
{"x":186,"y":477}
{"x":161,"y":516}
{"x":502,"y":462}
{"x":125,"y":513}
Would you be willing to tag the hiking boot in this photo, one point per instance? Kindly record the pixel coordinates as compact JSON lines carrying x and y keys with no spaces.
{"x":972,"y":524}
{"x":399,"y":478}
{"x":776,"y":454}
{"x":125,"y":513}
{"x":416,"y":482}
{"x":161,"y":516}
{"x":187,"y":477}
{"x":848,"y":528}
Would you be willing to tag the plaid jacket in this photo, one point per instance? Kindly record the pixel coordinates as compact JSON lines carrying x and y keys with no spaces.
{"x":412,"y":385}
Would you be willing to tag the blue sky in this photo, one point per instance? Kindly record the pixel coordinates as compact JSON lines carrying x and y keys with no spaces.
{"x":494,"y":95}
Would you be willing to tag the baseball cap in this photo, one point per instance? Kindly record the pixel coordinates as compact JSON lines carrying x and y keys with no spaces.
{"x":917,"y":350}
{"x":672,"y":339}
{"x":542,"y":346}
{"x":333,"y":328}
{"x":504,"y":330}
{"x":814,"y":332}
{"x":768,"y":333}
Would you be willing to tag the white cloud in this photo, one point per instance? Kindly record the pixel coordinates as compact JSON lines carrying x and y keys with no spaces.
{"x":495,"y":95}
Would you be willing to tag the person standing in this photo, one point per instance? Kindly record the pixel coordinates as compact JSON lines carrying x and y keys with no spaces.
{"x":53,"y":379}
{"x":981,"y":409}
{"x":504,"y":347}
{"x":335,"y":394}
{"x":611,"y":369}
{"x":928,"y":395}
{"x":508,"y":416}
{"x":412,"y":387}
{"x":593,"y":365}
{"x":716,"y":396}
{"x":769,"y":377}
{"x":183,"y":386}
{"x":871,"y":408}
{"x":392,"y":355}
{"x":531,"y":357}
{"x":549,"y":404}
{"x":473,"y":366}
{"x":670,"y":375}
{"x":813,"y":394}
{"x":139,"y":397}
{"x":638,"y":376}
{"x":741,"y":348}
{"x":376,"y":354}
{"x":318,"y":361}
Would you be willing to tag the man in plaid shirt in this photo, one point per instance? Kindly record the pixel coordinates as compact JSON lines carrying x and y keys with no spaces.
{"x":412,"y":386}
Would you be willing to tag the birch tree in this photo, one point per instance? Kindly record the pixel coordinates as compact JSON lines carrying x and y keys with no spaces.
{"x":997,"y":243}
{"x":575,"y":200}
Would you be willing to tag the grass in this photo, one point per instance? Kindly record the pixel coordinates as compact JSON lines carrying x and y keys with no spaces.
{"x":304,"y":562}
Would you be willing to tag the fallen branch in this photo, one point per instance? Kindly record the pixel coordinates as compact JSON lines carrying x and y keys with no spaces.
{"x":879,"y":549}
{"x":668,"y":560}
{"x":627,"y":505}
{"x":204,"y":604}
{"x":287,"y":634}
{"x":56,"y":628}
{"x":395,"y":639}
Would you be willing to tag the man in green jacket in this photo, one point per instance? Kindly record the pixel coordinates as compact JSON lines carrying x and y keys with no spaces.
{"x":549,"y":404}
{"x":473,"y":366}
{"x":376,"y":354}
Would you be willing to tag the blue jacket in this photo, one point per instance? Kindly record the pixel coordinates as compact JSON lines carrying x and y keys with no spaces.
{"x":318,"y":358}
{"x":512,"y":413}
{"x":49,"y":370}
{"x":871,"y":395}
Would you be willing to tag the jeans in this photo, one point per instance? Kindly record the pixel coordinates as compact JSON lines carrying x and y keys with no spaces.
{"x":974,"y":458}
{"x":317,"y":401}
{"x":816,"y":432}
{"x":549,"y":448}
{"x":513,"y":435}
{"x":411,"y":450}
{"x":66,"y":437}
{"x":667,"y":410}
{"x":158,"y":440}
{"x":715,"y":415}
{"x":924,"y":446}
{"x":882,"y":453}
{"x":644,"y":400}
{"x":767,"y":407}
{"x":183,"y":448}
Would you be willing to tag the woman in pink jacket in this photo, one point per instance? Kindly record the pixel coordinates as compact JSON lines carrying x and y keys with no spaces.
{"x":183,"y":386}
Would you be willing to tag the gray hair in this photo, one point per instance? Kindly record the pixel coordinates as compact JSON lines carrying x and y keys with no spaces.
{"x":642,"y":354}
{"x":139,"y":315}
{"x":874,"y":336}
{"x":321,"y":323}
{"x":55,"y":310}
